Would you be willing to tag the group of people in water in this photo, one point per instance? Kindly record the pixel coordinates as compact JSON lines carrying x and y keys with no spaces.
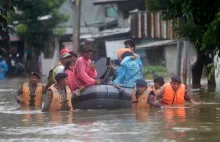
{"x":72,"y":75}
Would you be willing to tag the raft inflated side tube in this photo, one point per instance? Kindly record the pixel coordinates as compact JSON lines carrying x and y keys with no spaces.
{"x":97,"y":97}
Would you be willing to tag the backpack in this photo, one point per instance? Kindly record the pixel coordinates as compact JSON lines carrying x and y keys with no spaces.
{"x":51,"y":77}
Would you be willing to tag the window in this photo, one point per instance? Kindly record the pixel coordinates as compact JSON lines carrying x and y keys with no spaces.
{"x":111,"y":11}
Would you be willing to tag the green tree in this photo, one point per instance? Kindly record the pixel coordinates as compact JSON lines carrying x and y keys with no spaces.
{"x":37,"y":20}
{"x":199,"y":22}
{"x":7,"y":9}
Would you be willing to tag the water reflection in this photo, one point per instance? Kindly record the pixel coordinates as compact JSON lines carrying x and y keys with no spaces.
{"x":60,"y":118}
{"x":141,"y":115}
{"x":174,"y":114}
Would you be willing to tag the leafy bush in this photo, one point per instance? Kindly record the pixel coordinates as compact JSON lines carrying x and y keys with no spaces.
{"x":153,"y":71}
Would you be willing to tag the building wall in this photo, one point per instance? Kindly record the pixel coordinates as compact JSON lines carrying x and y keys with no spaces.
{"x":90,"y":13}
{"x":46,"y":66}
{"x":170,"y":59}
{"x":123,"y":22}
{"x":170,"y":52}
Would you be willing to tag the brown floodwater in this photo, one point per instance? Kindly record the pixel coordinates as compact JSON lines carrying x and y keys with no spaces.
{"x":173,"y":123}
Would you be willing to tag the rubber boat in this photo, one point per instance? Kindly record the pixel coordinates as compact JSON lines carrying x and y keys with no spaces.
{"x":102,"y":96}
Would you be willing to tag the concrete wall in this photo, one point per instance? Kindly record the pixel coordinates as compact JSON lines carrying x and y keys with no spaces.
{"x":46,"y":66}
{"x":90,"y":13}
{"x":170,"y":59}
{"x":122,"y":23}
{"x":170,"y":53}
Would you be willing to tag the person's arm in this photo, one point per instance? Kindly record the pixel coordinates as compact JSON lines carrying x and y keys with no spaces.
{"x":120,"y":74}
{"x":122,"y":91}
{"x":117,"y":70}
{"x":83,"y":75}
{"x":47,"y":100}
{"x":125,"y":60}
{"x":44,"y":89}
{"x":152,"y":101}
{"x":160,"y":92}
{"x":17,"y":95}
{"x":119,"y":77}
{"x":77,"y":92}
{"x":92,"y":72}
{"x":188,"y":99}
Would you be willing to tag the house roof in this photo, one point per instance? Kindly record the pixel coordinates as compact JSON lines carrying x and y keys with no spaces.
{"x":105,"y":33}
{"x":99,"y":2}
{"x":149,"y":45}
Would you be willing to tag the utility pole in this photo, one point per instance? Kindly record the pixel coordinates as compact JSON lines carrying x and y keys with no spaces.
{"x":179,"y":58}
{"x":76,"y":25}
{"x":56,"y":52}
{"x":185,"y":62}
{"x":187,"y":66}
{"x":189,"y":70}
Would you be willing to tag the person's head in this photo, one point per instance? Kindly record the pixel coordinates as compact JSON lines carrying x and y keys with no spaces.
{"x":74,"y":55}
{"x":34,"y":78}
{"x":141,"y":85}
{"x":64,"y":50}
{"x":62,"y":79}
{"x":87,"y":52}
{"x":64,"y":58}
{"x":175,"y":82}
{"x":130,"y":44}
{"x":126,"y":54}
{"x":158,"y":82}
{"x":70,"y":64}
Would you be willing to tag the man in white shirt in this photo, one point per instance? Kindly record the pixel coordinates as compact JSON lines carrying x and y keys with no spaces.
{"x":58,"y":69}
{"x":63,"y":58}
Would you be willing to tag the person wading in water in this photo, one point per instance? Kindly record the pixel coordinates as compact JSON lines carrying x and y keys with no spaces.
{"x":59,"y":96}
{"x":30,"y":93}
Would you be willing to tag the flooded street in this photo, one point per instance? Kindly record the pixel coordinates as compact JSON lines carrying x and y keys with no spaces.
{"x":174,"y":123}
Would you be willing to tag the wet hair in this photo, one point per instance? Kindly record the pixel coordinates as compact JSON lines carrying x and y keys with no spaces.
{"x":73,"y":54}
{"x":130,"y":43}
{"x":159,"y":80}
{"x":125,"y":54}
{"x":68,"y":63}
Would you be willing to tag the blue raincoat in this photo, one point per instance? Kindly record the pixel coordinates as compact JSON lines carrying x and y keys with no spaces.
{"x":3,"y":69}
{"x":129,"y":71}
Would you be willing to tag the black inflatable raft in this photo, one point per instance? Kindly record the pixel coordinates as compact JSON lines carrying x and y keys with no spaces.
{"x":102,"y":97}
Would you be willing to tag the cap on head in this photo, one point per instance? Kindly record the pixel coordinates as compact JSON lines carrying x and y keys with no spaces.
{"x":141,"y":82}
{"x":86,"y":49}
{"x":159,"y":79}
{"x":60,"y":76}
{"x":64,"y":51}
{"x":35,"y":74}
{"x":176,"y":79}
{"x":64,"y":55}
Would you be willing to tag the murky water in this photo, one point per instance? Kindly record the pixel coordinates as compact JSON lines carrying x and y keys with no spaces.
{"x":174,"y":123}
